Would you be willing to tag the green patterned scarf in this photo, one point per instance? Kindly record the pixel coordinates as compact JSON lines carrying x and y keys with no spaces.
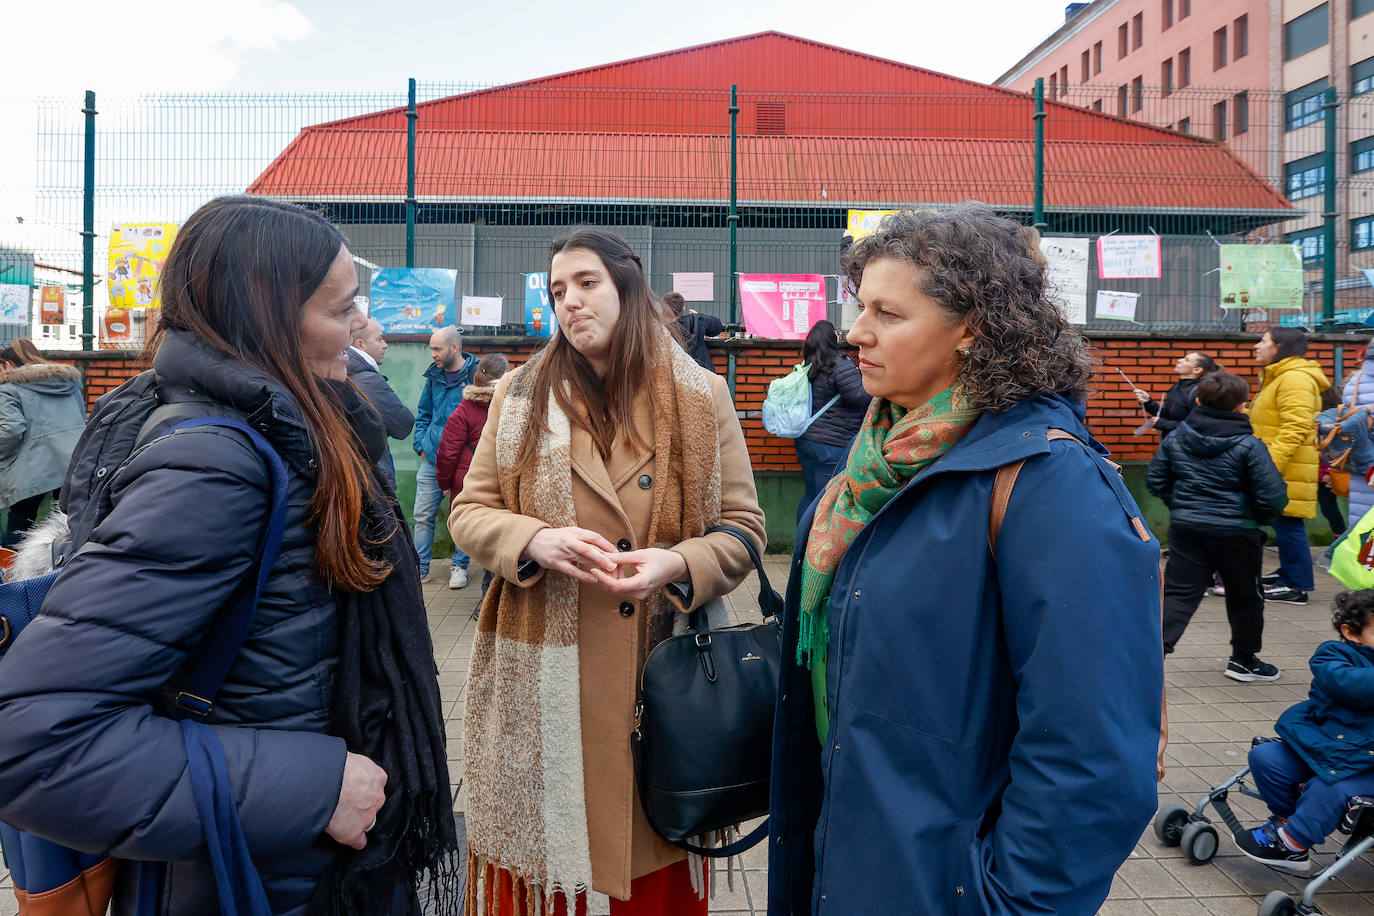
{"x":892,"y":446}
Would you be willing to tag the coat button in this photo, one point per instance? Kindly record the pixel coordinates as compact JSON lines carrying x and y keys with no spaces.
{"x":858,"y":592}
{"x":1340,"y":737}
{"x":959,"y":890}
{"x":623,"y":545}
{"x":102,"y":472}
{"x":645,"y":481}
{"x":627,"y":609}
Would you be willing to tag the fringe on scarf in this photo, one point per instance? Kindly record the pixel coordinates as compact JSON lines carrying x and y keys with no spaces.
{"x":528,"y":898}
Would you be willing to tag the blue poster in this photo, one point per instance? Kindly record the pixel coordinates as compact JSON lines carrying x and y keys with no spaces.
{"x":413,"y":300}
{"x":539,"y":320}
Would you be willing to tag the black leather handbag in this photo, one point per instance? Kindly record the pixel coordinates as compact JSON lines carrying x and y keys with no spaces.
{"x":703,"y":735}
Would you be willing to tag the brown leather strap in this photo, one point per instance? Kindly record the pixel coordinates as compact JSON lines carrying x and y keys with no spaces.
{"x":1002,"y":486}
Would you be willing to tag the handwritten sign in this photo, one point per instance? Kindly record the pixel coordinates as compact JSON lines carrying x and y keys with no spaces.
{"x":783,"y":306}
{"x":1129,"y":257}
{"x":695,"y":287}
{"x":1116,"y":305}
{"x":1066,"y":274}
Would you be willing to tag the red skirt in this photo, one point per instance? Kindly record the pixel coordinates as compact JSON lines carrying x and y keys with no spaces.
{"x":666,"y":892}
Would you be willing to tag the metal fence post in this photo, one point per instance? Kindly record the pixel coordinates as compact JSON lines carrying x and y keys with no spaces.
{"x":733,"y":220}
{"x":1038,"y":216}
{"x":1329,"y":106}
{"x":411,"y":116}
{"x":88,"y":231}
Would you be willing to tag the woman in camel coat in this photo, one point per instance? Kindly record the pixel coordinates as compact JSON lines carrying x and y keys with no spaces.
{"x":591,"y":509}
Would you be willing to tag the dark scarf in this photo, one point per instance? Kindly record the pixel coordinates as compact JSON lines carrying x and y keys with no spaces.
{"x":386,"y":707}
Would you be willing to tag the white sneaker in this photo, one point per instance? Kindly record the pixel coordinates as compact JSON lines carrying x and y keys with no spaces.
{"x":458,"y":577}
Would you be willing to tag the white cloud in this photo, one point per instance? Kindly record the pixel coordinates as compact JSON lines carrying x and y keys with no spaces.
{"x":70,"y":45}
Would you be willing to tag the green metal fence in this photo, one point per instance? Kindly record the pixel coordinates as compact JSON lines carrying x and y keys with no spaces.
{"x":726,"y":181}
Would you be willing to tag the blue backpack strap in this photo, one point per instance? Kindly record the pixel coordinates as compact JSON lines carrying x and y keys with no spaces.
{"x":231,"y":625}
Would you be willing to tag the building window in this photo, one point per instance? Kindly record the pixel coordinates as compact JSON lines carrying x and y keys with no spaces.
{"x":1360,"y":8}
{"x":1306,"y":33}
{"x":1086,"y":69}
{"x":1311,"y":241}
{"x":1240,"y":31}
{"x":1064,"y":80}
{"x":1166,"y":14}
{"x":1185,"y":126}
{"x":1305,"y":177}
{"x":1362,"y":76}
{"x":1240,"y":119}
{"x":1137,"y":94}
{"x":1362,"y":155}
{"x":1137,"y":31}
{"x":1362,"y":233}
{"x":1303,"y":105}
{"x":1166,"y":76}
{"x":1097,"y":104}
{"x":1185,"y":67}
{"x":1054,"y":84}
{"x":1219,"y":48}
{"x":1097,"y":58}
{"x":1185,"y":8}
{"x":1121,"y":101}
{"x":1122,"y":42}
{"x":1219,"y":121}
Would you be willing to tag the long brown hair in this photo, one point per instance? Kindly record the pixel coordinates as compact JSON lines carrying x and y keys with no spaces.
{"x":237,"y":277}
{"x":608,"y":402}
{"x":21,"y":352}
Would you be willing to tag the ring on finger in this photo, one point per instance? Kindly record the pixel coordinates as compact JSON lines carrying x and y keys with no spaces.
{"x":369,"y":827}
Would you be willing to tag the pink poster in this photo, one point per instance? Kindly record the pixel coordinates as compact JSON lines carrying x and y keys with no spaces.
{"x":782,"y":305}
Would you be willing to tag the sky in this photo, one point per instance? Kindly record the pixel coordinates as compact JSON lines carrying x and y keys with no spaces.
{"x":322,"y":45}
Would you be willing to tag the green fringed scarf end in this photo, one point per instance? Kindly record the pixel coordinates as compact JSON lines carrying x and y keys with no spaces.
{"x":813,"y":640}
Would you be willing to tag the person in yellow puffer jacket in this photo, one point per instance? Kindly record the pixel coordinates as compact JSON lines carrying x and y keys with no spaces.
{"x":1284,"y":415}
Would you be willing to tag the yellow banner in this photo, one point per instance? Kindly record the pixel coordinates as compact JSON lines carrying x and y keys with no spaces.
{"x":866,"y":222}
{"x":137,"y":253}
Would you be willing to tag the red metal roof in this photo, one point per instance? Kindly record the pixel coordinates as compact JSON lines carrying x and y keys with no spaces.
{"x":818,"y":124}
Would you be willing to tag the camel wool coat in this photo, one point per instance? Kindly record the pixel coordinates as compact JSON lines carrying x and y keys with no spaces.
{"x":612,"y":497}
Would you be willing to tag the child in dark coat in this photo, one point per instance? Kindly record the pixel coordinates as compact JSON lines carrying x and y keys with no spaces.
{"x":1220,"y":485}
{"x":1326,"y":751}
{"x":459,"y":440}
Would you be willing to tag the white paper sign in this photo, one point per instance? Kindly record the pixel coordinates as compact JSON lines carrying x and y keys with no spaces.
{"x":1067,"y":276}
{"x":482,"y":311}
{"x":849,"y":304}
{"x":1129,"y":257}
{"x":16,"y":300}
{"x":695,"y":287}
{"x":1117,"y":305}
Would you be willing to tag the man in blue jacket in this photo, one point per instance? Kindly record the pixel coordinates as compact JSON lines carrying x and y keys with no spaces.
{"x":445,"y":380}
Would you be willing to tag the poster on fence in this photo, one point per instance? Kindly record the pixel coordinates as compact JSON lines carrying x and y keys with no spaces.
{"x":863,"y":223}
{"x":1261,"y":276}
{"x":412,"y":300}
{"x":849,"y":303}
{"x":51,"y":300}
{"x":137,"y":253}
{"x":695,"y":287}
{"x":1067,"y":275}
{"x":781,"y":305}
{"x":1116,"y":305}
{"x":1129,"y":257}
{"x":117,"y":325}
{"x":481,"y":311}
{"x":16,"y":300}
{"x":539,"y":320}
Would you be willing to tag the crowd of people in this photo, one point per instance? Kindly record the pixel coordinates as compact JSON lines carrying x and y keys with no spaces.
{"x":930,"y":728}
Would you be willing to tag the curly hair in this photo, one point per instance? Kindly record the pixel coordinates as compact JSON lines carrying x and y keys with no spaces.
{"x":1352,"y":609}
{"x":988,"y":272}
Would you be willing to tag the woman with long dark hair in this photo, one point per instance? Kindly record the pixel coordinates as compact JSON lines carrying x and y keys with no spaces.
{"x":42,"y":413}
{"x":330,"y":715}
{"x":838,"y":402}
{"x":1284,"y":414}
{"x":606,"y":459}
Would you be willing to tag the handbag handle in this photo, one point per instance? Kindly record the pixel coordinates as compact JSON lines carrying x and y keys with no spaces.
{"x":770,"y":602}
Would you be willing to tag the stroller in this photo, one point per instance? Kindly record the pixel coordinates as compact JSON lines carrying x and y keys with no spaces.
{"x":1194,"y":833}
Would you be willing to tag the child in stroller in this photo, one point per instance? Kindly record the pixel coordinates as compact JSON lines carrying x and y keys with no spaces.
{"x":1325,"y":754}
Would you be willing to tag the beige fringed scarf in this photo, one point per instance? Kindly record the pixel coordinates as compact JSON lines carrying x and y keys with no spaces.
{"x":522,"y":728}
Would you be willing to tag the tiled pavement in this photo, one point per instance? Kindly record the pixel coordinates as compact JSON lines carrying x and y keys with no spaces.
{"x":1211,"y":722}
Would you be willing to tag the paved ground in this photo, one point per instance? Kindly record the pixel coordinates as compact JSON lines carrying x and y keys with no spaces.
{"x":1212,"y":720}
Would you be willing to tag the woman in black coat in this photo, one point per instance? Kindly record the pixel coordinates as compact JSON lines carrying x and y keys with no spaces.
{"x":329,"y":715}
{"x":821,"y":450}
{"x":1181,"y":396}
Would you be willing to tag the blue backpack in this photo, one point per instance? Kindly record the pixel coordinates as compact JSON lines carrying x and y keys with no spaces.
{"x":39,"y":866}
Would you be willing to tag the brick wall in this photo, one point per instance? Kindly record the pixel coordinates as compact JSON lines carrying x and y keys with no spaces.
{"x":1146,"y":357}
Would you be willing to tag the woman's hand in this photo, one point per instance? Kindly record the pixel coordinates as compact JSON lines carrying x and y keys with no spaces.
{"x":654,"y":568}
{"x":1141,"y":394}
{"x":571,"y":551}
{"x":360,"y":798}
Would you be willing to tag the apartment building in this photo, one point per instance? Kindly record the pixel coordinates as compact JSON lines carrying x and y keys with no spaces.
{"x":1248,"y":73}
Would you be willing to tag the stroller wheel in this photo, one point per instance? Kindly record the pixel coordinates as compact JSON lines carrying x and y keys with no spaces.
{"x":1199,"y":842}
{"x":1169,"y":824}
{"x":1278,"y":904}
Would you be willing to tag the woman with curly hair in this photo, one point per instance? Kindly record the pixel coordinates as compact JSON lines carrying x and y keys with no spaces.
{"x":969,"y":710}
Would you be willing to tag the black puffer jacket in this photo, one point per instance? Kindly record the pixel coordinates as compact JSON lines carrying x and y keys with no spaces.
{"x":88,"y":757}
{"x":1178,"y":400}
{"x":838,"y":425}
{"x":1214,"y":473}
